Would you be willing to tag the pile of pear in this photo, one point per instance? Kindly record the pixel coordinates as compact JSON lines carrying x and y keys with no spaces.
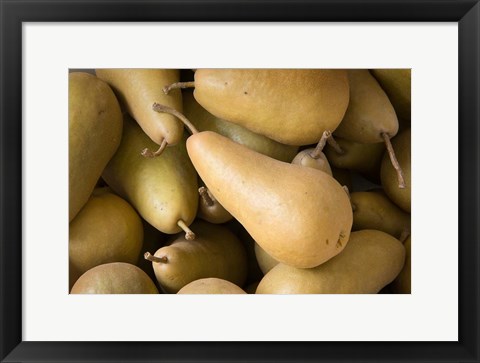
{"x":257,"y":181}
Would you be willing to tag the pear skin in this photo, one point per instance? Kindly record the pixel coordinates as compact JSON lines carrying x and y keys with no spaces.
{"x":163,"y":190}
{"x":205,"y":121}
{"x":94,"y":133}
{"x":400,"y":196}
{"x":305,"y":159}
{"x":211,"y":286}
{"x":215,"y":252}
{"x":114,"y":278}
{"x":300,"y":216}
{"x":209,"y":209}
{"x":265,"y":261}
{"x":397,"y":83}
{"x":291,"y":106}
{"x":373,"y":210}
{"x":403,"y":283}
{"x":107,"y":229}
{"x":370,"y":112}
{"x":137,"y":89}
{"x":371,"y":260}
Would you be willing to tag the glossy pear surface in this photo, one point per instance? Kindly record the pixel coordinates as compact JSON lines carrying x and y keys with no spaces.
{"x":291,"y":106}
{"x":94,"y":132}
{"x":300,"y":216}
{"x":138,"y":89}
{"x":371,"y":260}
{"x":163,"y":189}
{"x":211,"y":286}
{"x":370,"y":112}
{"x":265,"y":261}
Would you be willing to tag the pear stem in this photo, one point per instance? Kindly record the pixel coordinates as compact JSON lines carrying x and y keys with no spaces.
{"x":147,"y":153}
{"x":178,"y":85}
{"x":189,"y":235}
{"x":148,"y":256}
{"x":205,"y":196}
{"x":161,"y":108}
{"x":333,"y":143}
{"x":315,"y":154}
{"x":393,"y":159}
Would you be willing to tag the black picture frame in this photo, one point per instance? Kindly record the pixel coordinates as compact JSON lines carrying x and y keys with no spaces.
{"x":13,"y":13}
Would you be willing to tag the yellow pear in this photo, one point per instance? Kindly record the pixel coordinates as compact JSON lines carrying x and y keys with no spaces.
{"x":371,"y":260}
{"x":163,"y":190}
{"x":137,"y":89}
{"x":314,"y":157}
{"x":107,"y":229}
{"x":265,"y":261}
{"x":211,"y":286}
{"x":94,"y":132}
{"x":291,"y":106}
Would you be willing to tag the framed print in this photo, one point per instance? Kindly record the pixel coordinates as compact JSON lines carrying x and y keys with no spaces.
{"x":44,"y":42}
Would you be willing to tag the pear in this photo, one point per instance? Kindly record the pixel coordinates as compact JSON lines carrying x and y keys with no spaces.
{"x":137,"y":89}
{"x":153,"y":239}
{"x":205,"y":121}
{"x":163,"y":190}
{"x":373,"y":210}
{"x":300,"y":216}
{"x":291,"y":106}
{"x":94,"y":132}
{"x":211,"y":286}
{"x":265,"y":261}
{"x":314,"y":157}
{"x":403,"y":284}
{"x":107,"y":229}
{"x":114,"y":278}
{"x":363,"y":158}
{"x":401,"y":197}
{"x":209,"y":209}
{"x":397,"y":84}
{"x":371,"y":260}
{"x":216,"y":252}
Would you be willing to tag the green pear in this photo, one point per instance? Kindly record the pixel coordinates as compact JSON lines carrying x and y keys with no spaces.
{"x":373,"y":210}
{"x":137,"y":89}
{"x":107,"y":229}
{"x":397,"y":83}
{"x":211,"y":286}
{"x":402,"y":146}
{"x":94,"y":132}
{"x":371,"y":260}
{"x":205,"y":121}
{"x":215,"y":252}
{"x":291,"y":106}
{"x":300,"y":216}
{"x":114,"y":278}
{"x":163,"y":190}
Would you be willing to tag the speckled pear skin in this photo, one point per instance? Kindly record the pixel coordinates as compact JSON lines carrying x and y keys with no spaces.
{"x":402,"y":147}
{"x":300,"y":216}
{"x":291,"y":106}
{"x":163,"y":189}
{"x":370,"y":112}
{"x":114,"y":278}
{"x":211,"y":286}
{"x":215,"y":252}
{"x":138,"y":89}
{"x":371,"y":260}
{"x":94,"y":133}
{"x":205,"y":121}
{"x":107,"y":229}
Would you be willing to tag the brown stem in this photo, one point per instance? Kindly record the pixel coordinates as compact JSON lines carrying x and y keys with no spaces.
{"x":189,"y":235}
{"x":161,"y":108}
{"x":148,"y":256}
{"x":205,"y":196}
{"x":177,"y":85}
{"x":147,"y":153}
{"x":393,"y":159}
{"x":333,"y":143}
{"x":315,"y":154}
